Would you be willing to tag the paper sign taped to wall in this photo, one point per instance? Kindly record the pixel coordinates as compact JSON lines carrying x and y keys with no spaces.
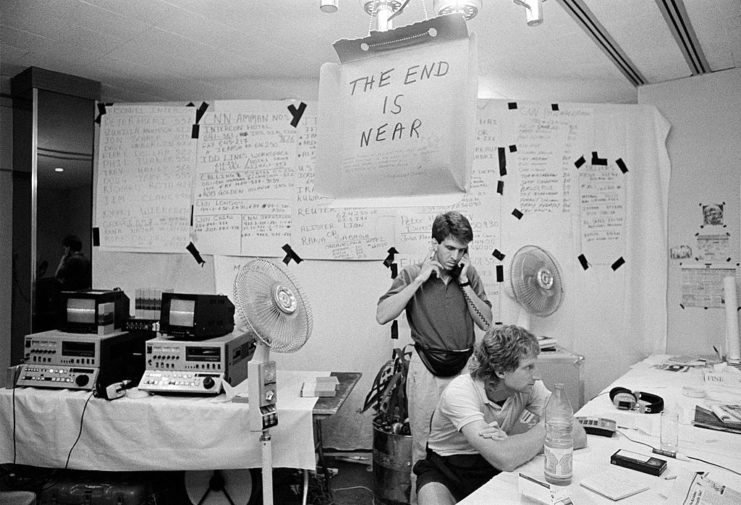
{"x":397,"y":116}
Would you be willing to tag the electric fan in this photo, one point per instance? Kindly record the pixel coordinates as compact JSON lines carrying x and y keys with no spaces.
{"x":269,"y":301}
{"x":536,"y":282}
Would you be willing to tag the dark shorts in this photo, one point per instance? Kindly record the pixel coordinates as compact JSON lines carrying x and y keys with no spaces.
{"x":462,"y":474}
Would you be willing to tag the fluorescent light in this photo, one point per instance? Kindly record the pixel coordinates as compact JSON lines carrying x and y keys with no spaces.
{"x":59,"y":169}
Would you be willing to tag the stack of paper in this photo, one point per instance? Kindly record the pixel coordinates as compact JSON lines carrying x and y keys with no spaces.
{"x":718,"y":417}
{"x":319,"y":386}
{"x":547,"y":343}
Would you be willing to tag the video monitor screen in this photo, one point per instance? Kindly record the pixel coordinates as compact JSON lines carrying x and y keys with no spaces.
{"x":81,"y":310}
{"x":182,"y":312}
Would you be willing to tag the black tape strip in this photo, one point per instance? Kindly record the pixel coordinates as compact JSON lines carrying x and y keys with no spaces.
{"x":96,"y":236}
{"x":618,"y":263}
{"x":395,"y":330}
{"x":502,"y":161}
{"x":596,"y":160}
{"x":583,"y":261}
{"x":191,"y":215}
{"x":578,"y":163}
{"x":498,"y":323}
{"x":195,"y":131}
{"x":193,"y":250}
{"x":500,"y":187}
{"x":554,"y":107}
{"x":498,"y":254}
{"x":101,"y":111}
{"x":296,"y":113}
{"x":394,"y":270}
{"x":621,"y":165}
{"x":390,"y":258}
{"x":201,"y":111}
{"x":512,"y":105}
{"x":681,"y":305}
{"x":517,"y":213}
{"x":513,"y":148}
{"x":291,"y":255}
{"x":500,"y":273}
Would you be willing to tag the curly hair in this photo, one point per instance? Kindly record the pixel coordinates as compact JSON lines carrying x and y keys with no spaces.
{"x":501,"y":350}
{"x":452,"y":223}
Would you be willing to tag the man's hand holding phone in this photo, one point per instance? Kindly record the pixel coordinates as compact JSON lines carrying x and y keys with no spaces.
{"x":460,"y":273}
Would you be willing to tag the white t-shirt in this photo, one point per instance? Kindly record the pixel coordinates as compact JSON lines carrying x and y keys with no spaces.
{"x":464,"y":401}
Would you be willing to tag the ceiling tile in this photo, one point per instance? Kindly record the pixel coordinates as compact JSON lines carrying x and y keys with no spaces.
{"x":717,"y":25}
{"x":640,"y":30}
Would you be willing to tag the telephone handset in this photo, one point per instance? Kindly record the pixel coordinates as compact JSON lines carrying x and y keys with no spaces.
{"x":456,"y":271}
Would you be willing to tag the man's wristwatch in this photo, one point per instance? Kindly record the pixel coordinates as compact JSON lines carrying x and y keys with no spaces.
{"x":464,"y":284}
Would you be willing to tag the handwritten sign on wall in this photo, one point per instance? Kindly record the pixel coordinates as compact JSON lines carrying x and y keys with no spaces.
{"x":146,"y":159}
{"x":399,"y":123}
{"x":244,"y":186}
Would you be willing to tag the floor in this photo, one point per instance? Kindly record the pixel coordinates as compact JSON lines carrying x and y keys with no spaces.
{"x":350,"y":483}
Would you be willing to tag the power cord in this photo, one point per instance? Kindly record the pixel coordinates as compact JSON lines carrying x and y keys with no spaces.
{"x":686,"y":456}
{"x":475,"y":308}
{"x":14,"y":439}
{"x":79,"y":434}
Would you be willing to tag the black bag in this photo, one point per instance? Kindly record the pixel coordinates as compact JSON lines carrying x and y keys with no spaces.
{"x":441,"y":362}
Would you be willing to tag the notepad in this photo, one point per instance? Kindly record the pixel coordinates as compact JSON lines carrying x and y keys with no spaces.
{"x":613,"y":485}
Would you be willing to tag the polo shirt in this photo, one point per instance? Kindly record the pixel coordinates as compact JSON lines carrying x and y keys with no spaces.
{"x":437,"y":312}
{"x":464,"y":401}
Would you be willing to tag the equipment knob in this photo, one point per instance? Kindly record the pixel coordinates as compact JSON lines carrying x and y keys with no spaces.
{"x":82,"y":380}
{"x":208,"y":383}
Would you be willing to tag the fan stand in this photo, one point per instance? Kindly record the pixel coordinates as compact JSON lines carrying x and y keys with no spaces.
{"x":220,"y":487}
{"x":256,"y":382}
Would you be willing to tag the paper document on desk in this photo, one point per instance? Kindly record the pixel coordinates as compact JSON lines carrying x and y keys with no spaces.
{"x":696,"y":489}
{"x":723,"y":378}
{"x":615,"y":484}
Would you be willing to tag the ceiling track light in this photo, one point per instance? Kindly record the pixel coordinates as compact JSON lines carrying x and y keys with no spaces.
{"x":328,"y":6}
{"x":533,"y":11}
{"x":469,"y":8}
{"x":383,"y":10}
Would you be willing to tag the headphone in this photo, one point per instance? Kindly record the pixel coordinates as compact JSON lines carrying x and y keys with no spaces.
{"x":647,"y":403}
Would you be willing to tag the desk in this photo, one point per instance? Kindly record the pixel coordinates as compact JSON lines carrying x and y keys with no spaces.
{"x":159,"y":432}
{"x":713,"y":446}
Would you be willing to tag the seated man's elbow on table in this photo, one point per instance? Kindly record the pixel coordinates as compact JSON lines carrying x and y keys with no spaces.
{"x":508,"y":453}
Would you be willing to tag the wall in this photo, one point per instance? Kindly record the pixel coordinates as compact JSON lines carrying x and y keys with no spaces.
{"x":704,"y":146}
{"x":6,"y":226}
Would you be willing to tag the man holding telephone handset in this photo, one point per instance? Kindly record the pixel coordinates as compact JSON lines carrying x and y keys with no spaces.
{"x":444,"y":298}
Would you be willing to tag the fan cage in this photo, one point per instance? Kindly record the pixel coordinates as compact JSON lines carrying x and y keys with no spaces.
{"x":271,"y":303}
{"x":537,"y":282}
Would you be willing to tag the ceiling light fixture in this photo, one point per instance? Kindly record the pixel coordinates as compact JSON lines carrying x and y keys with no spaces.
{"x":534,"y":11}
{"x":328,"y":6}
{"x":382,"y":10}
{"x":59,"y":169}
{"x":469,"y":8}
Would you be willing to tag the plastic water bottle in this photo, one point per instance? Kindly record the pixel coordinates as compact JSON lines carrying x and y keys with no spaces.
{"x":559,"y":438}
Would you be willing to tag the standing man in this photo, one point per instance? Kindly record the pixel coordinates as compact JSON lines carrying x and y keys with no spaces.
{"x":444,"y":298}
{"x":488,"y":421}
{"x":74,"y":271}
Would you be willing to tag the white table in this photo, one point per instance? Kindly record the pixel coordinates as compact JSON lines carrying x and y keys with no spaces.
{"x":155,"y":433}
{"x":713,"y":446}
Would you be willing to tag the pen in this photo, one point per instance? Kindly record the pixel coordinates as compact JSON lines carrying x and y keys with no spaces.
{"x":717,"y":352}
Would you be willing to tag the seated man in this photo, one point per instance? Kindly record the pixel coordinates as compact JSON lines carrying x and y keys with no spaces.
{"x":488,"y":421}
